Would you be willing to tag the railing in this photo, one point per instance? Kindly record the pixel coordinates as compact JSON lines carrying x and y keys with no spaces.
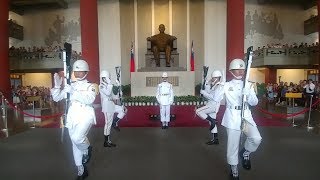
{"x":286,"y":56}
{"x":11,"y":114}
{"x":35,"y":55}
{"x":37,"y":60}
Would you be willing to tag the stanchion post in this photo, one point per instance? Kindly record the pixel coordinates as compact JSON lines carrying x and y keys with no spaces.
{"x":4,"y":116}
{"x":34,"y":114}
{"x":310,"y":127}
{"x":293,"y":96}
{"x":293,"y":124}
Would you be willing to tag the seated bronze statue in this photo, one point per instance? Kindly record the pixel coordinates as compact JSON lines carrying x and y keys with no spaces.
{"x":161,"y":42}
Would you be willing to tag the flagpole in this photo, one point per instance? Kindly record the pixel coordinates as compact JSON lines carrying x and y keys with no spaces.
{"x":132,"y":59}
{"x":192,"y":58}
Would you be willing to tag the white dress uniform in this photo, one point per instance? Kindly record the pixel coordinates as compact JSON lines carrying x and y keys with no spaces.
{"x":109,"y":107}
{"x":232,"y":119}
{"x":310,"y":92}
{"x":81,"y":115}
{"x":165,"y":97}
{"x":212,"y":107}
{"x":310,"y":87}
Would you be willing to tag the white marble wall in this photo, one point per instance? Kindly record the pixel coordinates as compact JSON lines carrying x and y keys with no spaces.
{"x":109,"y":36}
{"x":215,"y":35}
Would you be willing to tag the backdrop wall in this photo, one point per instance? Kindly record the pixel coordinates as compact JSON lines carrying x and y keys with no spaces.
{"x":122,"y":22}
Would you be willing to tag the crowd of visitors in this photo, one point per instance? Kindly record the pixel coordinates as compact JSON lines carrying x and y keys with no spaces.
{"x":276,"y":93}
{"x":21,"y":93}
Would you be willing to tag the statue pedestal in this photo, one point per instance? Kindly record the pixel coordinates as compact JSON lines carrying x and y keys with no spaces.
{"x":145,"y":83}
{"x":155,"y":69}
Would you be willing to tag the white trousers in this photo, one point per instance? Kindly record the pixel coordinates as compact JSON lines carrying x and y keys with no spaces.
{"x":165,"y":113}
{"x":108,"y":118}
{"x":80,"y":143}
{"x":206,"y":111}
{"x":253,"y":140}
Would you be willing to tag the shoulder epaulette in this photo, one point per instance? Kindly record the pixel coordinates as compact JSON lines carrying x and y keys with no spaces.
{"x":93,"y":87}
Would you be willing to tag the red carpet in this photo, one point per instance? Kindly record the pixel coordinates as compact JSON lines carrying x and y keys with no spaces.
{"x":138,"y":116}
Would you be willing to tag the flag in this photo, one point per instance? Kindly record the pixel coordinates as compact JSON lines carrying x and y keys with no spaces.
{"x":192,"y":58}
{"x":132,"y":64}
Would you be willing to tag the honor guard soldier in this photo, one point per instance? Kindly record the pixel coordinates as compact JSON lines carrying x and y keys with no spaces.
{"x":210,"y":110}
{"x":81,"y":115}
{"x":165,"y":99}
{"x":109,"y":107}
{"x":232,"y":120}
{"x":309,"y":90}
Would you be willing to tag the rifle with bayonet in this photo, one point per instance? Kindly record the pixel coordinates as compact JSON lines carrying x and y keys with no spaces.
{"x":246,"y":84}
{"x":118,"y":72}
{"x":203,"y":85}
{"x":66,"y":57}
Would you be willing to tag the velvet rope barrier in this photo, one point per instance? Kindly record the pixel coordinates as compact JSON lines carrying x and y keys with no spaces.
{"x":287,"y":115}
{"x":31,"y":115}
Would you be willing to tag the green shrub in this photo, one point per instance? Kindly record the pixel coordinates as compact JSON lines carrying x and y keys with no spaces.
{"x":126,"y":90}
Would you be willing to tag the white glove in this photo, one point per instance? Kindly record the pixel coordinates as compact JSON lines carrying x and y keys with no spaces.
{"x":203,"y":92}
{"x":246,"y":91}
{"x":108,"y":81}
{"x":57,"y":80}
{"x":68,"y":88}
{"x":118,"y":83}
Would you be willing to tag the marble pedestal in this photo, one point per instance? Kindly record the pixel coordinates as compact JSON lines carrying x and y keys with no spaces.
{"x":145,"y":83}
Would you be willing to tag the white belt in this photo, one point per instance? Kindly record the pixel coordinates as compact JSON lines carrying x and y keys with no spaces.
{"x":109,"y":99}
{"x":237,"y":107}
{"x":76,"y":103}
{"x":164,"y":94}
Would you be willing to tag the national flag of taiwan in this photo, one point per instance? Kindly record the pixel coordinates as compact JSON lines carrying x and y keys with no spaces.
{"x":192,"y":58}
{"x":132,"y":64}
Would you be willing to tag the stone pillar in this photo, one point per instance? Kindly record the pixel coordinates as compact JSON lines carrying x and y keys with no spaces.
{"x":235,"y":32}
{"x":5,"y":86}
{"x":318,"y":8}
{"x":89,"y":37}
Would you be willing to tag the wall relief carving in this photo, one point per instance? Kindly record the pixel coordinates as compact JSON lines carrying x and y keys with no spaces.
{"x":62,"y":31}
{"x":266,"y":24}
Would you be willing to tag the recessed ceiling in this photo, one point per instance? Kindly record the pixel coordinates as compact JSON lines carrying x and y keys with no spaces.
{"x":20,"y":6}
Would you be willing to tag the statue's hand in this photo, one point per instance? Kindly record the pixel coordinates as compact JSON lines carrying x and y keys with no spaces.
{"x":174,"y":38}
{"x":148,"y":38}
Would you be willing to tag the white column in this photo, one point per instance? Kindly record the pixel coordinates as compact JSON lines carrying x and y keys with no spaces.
{"x":170,"y":17}
{"x":136,"y":50}
{"x":152,"y":17}
{"x":188,"y":35}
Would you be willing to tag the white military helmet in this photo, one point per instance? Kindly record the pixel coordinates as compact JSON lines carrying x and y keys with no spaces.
{"x":164,"y":75}
{"x":216,"y":73}
{"x":80,"y":65}
{"x":105,"y":74}
{"x":237,"y":64}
